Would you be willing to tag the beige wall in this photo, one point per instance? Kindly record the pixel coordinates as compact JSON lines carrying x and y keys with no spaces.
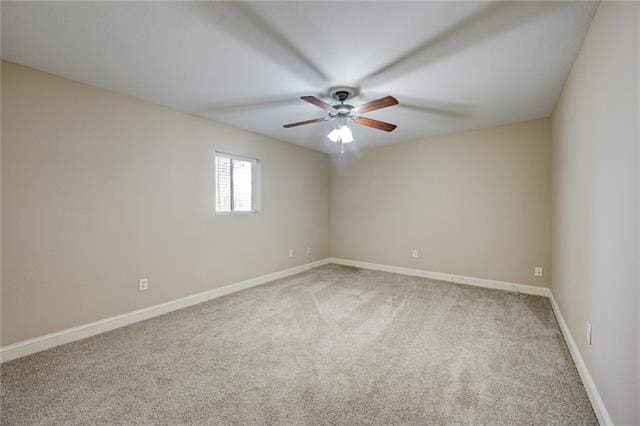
{"x":595,"y":130}
{"x":99,"y":190}
{"x":1,"y":67}
{"x":474,"y":204}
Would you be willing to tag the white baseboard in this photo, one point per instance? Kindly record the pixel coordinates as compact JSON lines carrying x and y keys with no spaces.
{"x":58,"y":338}
{"x":594,"y":396}
{"x":457,"y":279}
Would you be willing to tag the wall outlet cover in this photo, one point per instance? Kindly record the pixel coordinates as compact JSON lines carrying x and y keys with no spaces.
{"x":143,"y":284}
{"x":414,"y":253}
{"x":537,"y":271}
{"x":291,"y":252}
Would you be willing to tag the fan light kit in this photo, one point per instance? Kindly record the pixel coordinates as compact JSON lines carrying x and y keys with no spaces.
{"x":342,"y":113}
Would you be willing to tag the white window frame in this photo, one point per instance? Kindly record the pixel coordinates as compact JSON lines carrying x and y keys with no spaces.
{"x":255,"y":183}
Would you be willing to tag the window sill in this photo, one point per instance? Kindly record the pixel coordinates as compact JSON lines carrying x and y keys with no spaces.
{"x":235,"y":213}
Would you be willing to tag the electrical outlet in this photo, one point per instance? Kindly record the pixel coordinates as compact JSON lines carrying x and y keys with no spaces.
{"x":414,"y":253}
{"x":309,"y":251}
{"x":537,"y":271}
{"x":588,"y":333}
{"x":291,"y":252}
{"x":143,"y":284}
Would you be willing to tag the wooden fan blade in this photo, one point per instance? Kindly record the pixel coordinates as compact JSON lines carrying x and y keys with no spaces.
{"x":387,"y":101}
{"x":380,"y":125}
{"x":317,"y":102}
{"x":302,"y":123}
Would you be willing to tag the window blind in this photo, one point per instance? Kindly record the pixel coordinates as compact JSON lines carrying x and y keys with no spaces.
{"x":235,"y":183}
{"x":242,"y":185}
{"x":223,"y":184}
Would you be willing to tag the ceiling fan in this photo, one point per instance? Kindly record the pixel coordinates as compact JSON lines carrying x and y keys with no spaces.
{"x":343,"y":113}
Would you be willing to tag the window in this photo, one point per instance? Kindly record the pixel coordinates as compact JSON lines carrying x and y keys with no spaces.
{"x":235,"y":184}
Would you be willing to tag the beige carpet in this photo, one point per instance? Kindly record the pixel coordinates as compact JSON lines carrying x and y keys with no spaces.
{"x":332,"y":345}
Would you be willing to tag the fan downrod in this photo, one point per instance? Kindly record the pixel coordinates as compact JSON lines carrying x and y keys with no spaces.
{"x":342,"y":93}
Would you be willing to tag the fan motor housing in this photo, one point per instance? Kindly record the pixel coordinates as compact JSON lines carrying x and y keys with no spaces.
{"x":341,"y":94}
{"x":343,"y":110}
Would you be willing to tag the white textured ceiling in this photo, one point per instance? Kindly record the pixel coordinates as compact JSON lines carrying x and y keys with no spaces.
{"x":453,"y":66}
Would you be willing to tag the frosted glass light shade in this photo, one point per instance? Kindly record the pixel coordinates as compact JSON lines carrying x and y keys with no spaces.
{"x":341,"y":134}
{"x":334,"y":135}
{"x":345,"y":134}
